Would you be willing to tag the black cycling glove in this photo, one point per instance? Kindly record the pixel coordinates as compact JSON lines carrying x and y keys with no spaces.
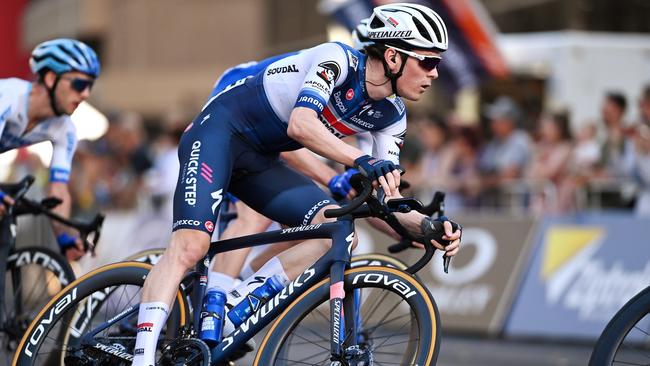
{"x":374,"y":168}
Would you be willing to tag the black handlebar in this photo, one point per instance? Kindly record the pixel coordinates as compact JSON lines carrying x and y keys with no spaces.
{"x":361,"y":184}
{"x":25,"y":206}
{"x":436,"y":206}
{"x":385,"y":210}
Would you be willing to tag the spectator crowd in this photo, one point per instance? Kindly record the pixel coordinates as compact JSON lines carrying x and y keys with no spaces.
{"x":555,"y":168}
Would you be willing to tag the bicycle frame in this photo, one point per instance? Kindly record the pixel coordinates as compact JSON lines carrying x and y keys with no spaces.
{"x":333,"y":263}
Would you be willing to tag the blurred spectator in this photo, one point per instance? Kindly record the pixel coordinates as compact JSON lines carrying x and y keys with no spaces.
{"x":644,"y":106}
{"x":638,"y":162}
{"x":586,"y":153}
{"x":615,"y":142}
{"x":433,"y":134}
{"x":111,"y":167}
{"x":505,"y":156}
{"x":549,"y":161}
{"x":582,"y":166}
{"x":459,"y":171}
{"x":162,"y":177}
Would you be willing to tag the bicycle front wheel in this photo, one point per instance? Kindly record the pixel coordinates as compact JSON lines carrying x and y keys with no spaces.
{"x":626,"y":338}
{"x":93,"y":320}
{"x":399,"y":323}
{"x":32,"y":277}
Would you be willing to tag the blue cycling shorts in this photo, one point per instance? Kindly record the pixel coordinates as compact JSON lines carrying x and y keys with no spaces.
{"x":215,"y":159}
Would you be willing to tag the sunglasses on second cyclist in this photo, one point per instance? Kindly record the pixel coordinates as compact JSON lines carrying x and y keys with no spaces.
{"x":426,"y":62}
{"x":79,"y":84}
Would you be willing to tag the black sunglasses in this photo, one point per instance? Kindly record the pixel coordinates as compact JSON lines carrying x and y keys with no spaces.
{"x":79,"y":84}
{"x":426,"y":62}
{"x":429,"y":63}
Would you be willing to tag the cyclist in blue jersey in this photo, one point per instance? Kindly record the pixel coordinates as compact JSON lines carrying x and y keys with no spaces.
{"x":32,"y":112}
{"x":310,"y":99}
{"x":226,"y":267}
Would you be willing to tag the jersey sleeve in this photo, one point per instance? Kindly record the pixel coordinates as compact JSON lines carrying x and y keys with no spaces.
{"x":5,"y":109}
{"x":63,"y":146}
{"x":388,"y":142}
{"x":329,"y":68}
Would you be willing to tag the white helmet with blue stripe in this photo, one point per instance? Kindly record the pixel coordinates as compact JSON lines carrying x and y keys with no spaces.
{"x":64,"y":55}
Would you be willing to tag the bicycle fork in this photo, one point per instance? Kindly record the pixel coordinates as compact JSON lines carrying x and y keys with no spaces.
{"x":344,"y":315}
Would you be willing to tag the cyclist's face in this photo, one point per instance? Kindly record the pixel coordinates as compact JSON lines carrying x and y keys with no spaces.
{"x":415,"y":79}
{"x":73,"y":88}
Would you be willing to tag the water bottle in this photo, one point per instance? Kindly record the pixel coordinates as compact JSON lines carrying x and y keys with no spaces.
{"x":254,"y":300}
{"x":212,"y":316}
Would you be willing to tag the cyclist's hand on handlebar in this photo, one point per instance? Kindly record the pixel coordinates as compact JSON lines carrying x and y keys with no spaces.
{"x":447,"y":241}
{"x":5,"y":200}
{"x":384,"y":172}
{"x":340,"y":185}
{"x":72,"y":247}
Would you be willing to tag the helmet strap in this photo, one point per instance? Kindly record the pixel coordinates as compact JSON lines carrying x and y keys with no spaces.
{"x":51,"y":94}
{"x":393,"y":77}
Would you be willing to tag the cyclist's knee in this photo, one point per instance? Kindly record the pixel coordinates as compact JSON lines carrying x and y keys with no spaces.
{"x":320,"y":218}
{"x":188,"y":247}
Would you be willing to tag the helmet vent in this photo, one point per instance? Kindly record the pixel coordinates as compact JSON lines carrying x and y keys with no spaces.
{"x":376,"y":23}
{"x":70,"y":54}
{"x":423,"y":31}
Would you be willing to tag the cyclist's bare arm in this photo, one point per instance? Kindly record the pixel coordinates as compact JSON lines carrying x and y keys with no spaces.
{"x":305,"y":128}
{"x":60,"y":191}
{"x":309,"y":165}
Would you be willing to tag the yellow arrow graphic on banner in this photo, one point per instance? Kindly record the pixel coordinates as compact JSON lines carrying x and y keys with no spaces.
{"x":563,"y":243}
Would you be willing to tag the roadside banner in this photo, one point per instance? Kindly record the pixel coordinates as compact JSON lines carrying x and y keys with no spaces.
{"x":583,"y":269}
{"x":476,"y":295}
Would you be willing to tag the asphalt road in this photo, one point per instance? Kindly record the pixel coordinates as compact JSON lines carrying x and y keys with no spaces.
{"x":467,"y":351}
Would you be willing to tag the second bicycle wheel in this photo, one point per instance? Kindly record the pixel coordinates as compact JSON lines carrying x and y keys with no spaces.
{"x":87,"y":323}
{"x":399,"y":323}
{"x":626,"y":338}
{"x":33,"y":276}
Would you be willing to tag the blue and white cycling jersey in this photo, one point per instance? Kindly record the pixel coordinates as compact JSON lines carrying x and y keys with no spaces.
{"x":14,"y":104}
{"x":233,"y":143}
{"x":330,"y":79}
{"x":242,"y":71}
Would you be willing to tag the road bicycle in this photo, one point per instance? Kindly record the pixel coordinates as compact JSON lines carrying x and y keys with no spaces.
{"x":626,"y":338}
{"x":32,"y":274}
{"x":315,"y":315}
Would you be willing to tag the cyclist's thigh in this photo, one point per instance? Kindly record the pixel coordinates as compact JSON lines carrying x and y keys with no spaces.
{"x":279,"y":192}
{"x":205,"y":159}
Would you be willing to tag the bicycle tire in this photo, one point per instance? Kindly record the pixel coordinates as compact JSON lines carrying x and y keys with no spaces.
{"x":76,"y":297}
{"x":421,"y":306}
{"x":33,"y":276}
{"x":619,"y":327}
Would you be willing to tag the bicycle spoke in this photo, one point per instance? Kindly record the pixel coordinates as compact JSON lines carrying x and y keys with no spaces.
{"x":378,"y":304}
{"x":388,"y":322}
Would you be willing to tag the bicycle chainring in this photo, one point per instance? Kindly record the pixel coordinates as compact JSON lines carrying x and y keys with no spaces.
{"x":185,"y":352}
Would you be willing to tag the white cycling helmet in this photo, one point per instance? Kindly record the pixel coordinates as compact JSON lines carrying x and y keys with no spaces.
{"x":407,"y":26}
{"x":360,"y":35}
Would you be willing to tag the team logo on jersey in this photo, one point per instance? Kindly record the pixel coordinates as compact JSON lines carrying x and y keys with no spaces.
{"x":282,"y":70}
{"x":209,"y":226}
{"x":329,"y":71}
{"x":353,"y":60}
{"x":350,"y":94}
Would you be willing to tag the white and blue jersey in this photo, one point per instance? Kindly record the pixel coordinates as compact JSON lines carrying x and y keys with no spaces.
{"x":233,"y":144}
{"x":14,"y":104}
{"x":330,"y":79}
